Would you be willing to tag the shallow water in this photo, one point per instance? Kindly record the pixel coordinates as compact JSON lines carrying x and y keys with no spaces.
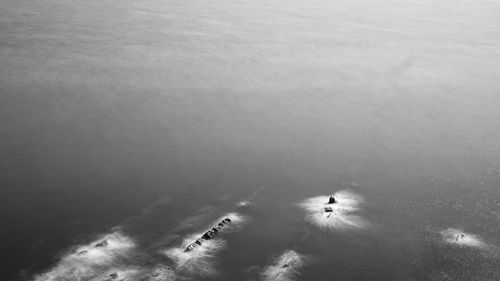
{"x":146,"y":121}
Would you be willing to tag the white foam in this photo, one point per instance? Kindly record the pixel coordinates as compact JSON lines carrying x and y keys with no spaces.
{"x":195,"y":220}
{"x":341,"y":217}
{"x":88,"y":261}
{"x":161,"y":273}
{"x":244,"y":203}
{"x":157,"y":273}
{"x":236,"y":219}
{"x":250,"y":200}
{"x":121,"y":274}
{"x":454,"y":236}
{"x":199,"y":260}
{"x":285,"y":267}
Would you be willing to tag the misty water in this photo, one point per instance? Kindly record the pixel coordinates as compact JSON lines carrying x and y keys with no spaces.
{"x":141,"y":124}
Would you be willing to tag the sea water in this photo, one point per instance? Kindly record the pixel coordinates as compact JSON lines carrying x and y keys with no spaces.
{"x":143,"y":122}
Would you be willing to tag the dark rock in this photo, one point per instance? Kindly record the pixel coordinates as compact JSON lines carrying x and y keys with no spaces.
{"x":112,"y":276}
{"x":190,"y":247}
{"x":103,"y":243}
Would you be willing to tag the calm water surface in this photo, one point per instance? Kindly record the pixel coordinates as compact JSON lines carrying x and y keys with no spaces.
{"x":143,"y":122}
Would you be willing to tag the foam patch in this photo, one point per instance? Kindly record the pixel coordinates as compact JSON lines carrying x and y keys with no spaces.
{"x":90,"y":260}
{"x":340,"y":215}
{"x":285,"y":268}
{"x":251,"y":200}
{"x":199,"y":260}
{"x":119,"y":274}
{"x":161,"y":273}
{"x":461,"y":238}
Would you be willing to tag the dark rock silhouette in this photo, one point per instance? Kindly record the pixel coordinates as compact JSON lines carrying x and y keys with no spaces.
{"x":208,"y":235}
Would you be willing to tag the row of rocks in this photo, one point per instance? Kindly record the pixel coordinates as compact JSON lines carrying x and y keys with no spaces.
{"x":208,"y":235}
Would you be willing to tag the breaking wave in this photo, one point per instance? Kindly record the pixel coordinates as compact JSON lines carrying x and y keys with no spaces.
{"x":90,"y":260}
{"x":115,"y":256}
{"x":286,"y":267}
{"x":340,"y":216}
{"x":458,"y":237}
{"x":119,"y":274}
{"x":199,"y":260}
{"x":159,"y":273}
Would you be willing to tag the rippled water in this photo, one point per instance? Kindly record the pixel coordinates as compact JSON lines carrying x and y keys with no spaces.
{"x":143,"y":123}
